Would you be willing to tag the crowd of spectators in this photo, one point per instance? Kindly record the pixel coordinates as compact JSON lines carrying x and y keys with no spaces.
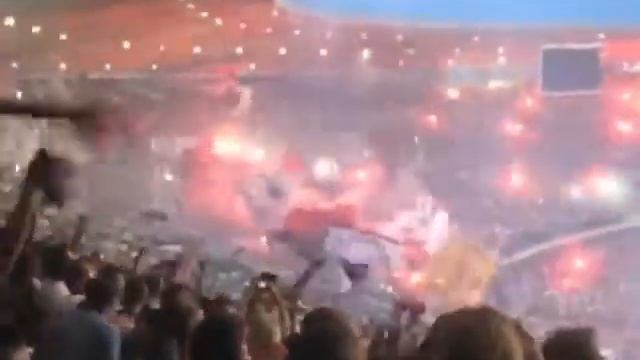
{"x":56,"y":304}
{"x":63,"y":312}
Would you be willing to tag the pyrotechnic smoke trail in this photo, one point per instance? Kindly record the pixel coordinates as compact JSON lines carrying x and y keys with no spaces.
{"x":590,"y":235}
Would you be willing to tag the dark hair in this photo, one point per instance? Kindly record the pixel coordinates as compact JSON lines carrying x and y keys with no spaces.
{"x":571,"y":343}
{"x":100,"y":295}
{"x":154,"y":284}
{"x":135,"y":293}
{"x":221,"y":303}
{"x":219,"y":337}
{"x":171,"y":294}
{"x":54,"y":262}
{"x":334,"y":344}
{"x":113,"y":275}
{"x":76,"y":277}
{"x":10,"y":341}
{"x":268,"y":277}
{"x":158,"y":343}
{"x":23,"y":269}
{"x":325,"y":334}
{"x":323,"y":317}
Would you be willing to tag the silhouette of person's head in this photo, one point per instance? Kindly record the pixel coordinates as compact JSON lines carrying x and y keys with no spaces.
{"x":473,"y":334}
{"x":325,"y":334}
{"x":54,"y":260}
{"x":135,"y":294}
{"x":218,"y":337}
{"x":100,"y":296}
{"x":571,"y":344}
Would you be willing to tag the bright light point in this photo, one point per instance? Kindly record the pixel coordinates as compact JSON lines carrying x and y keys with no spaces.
{"x":626,"y":96}
{"x":576,"y":192}
{"x":325,"y":169}
{"x":191,"y":6}
{"x":476,"y":38}
{"x":62,"y":66}
{"x":399,"y":38}
{"x":36,"y":29}
{"x":366,"y":54}
{"x":218,"y":21}
{"x":502,"y":60}
{"x":501,"y":50}
{"x":275,"y":13}
{"x":602,"y":36}
{"x":324,"y":52}
{"x":162,"y":48}
{"x":15,"y":65}
{"x":282,"y":51}
{"x":432,"y":120}
{"x":517,"y":179}
{"x":416,"y":140}
{"x":268,"y":30}
{"x":126,"y":44}
{"x":239,"y":50}
{"x":197,"y":49}
{"x":204,"y":14}
{"x":410,"y":51}
{"x":579,"y":263}
{"x":400,"y":63}
{"x":457,"y":51}
{"x":451,"y":62}
{"x":107,"y":67}
{"x":63,"y":36}
{"x":243,"y":26}
{"x":168,"y":176}
{"x":9,"y":21}
{"x":416,"y":278}
{"x":362,"y":175}
{"x":252,"y":66}
{"x":606,"y":185}
{"x":624,"y":127}
{"x":154,"y":67}
{"x":528,"y":102}
{"x":513,"y":128}
{"x":364,"y":36}
{"x":453,"y":93}
{"x":258,"y":154}
{"x":297,"y":32}
{"x":226,"y":146}
{"x":18,"y":95}
{"x":17,"y":168}
{"x":264,"y":240}
{"x":495,"y":84}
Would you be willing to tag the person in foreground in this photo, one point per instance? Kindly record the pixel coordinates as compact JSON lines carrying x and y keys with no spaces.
{"x":83,"y":333}
{"x":12,"y":345}
{"x":218,"y":337}
{"x":474,"y":334}
{"x":571,"y":344}
{"x":326,"y":334}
